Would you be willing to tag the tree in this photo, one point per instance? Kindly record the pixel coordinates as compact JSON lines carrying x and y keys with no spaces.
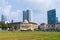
{"x":10,"y":27}
{"x":3,"y":25}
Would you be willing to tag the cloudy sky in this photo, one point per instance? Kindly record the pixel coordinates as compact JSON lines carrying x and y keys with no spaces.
{"x":12,"y":9}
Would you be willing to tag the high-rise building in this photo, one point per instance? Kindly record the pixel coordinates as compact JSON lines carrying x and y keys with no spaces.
{"x":51,"y":16}
{"x":56,"y":19}
{"x":27,"y":15}
{"x":2,"y":18}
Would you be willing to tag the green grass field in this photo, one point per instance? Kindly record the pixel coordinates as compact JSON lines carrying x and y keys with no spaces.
{"x":29,"y":35}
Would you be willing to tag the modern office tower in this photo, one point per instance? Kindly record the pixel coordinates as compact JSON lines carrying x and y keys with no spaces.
{"x":27,"y":15}
{"x":56,"y":19}
{"x":51,"y":16}
{"x":3,"y":18}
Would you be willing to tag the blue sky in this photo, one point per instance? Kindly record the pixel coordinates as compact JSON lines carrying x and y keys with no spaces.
{"x":12,"y":9}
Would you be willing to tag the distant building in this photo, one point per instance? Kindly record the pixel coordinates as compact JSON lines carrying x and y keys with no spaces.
{"x":27,"y":15}
{"x":51,"y":16}
{"x":56,"y":19}
{"x":3,"y":18}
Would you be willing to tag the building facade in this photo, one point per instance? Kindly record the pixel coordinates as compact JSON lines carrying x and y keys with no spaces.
{"x":25,"y":25}
{"x":27,"y":15}
{"x":42,"y":26}
{"x":51,"y":16}
{"x":57,"y":26}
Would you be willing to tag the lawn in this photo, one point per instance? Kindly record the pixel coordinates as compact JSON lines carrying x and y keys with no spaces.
{"x":29,"y":35}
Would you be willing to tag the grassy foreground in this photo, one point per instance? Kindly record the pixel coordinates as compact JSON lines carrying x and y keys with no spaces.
{"x":29,"y":35}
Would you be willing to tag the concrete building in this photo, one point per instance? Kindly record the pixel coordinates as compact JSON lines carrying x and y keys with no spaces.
{"x":57,"y":26}
{"x":43,"y":26}
{"x":25,"y":25}
{"x":50,"y":27}
{"x":47,"y":27}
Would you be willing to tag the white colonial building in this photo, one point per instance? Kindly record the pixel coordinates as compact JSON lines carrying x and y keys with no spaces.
{"x":25,"y":25}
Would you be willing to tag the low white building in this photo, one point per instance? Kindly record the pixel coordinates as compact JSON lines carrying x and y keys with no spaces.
{"x":57,"y":26}
{"x":25,"y":25}
{"x":51,"y":26}
{"x":43,"y":26}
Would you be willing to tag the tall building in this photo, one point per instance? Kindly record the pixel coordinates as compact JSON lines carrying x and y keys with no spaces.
{"x":2,"y":18}
{"x":51,"y":16}
{"x":27,"y":15}
{"x":56,"y":19}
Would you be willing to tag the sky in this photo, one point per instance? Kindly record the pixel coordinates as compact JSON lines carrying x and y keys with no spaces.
{"x":13,"y":9}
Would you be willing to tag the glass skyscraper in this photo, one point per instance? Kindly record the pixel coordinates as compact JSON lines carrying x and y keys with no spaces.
{"x":27,"y":15}
{"x":51,"y":16}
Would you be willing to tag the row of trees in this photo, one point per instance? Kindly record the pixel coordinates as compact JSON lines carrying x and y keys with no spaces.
{"x":7,"y":26}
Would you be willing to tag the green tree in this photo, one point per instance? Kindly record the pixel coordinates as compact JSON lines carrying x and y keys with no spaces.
{"x":3,"y":25}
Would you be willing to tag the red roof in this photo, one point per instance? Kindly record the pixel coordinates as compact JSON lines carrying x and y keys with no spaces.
{"x":23,"y":23}
{"x":43,"y":23}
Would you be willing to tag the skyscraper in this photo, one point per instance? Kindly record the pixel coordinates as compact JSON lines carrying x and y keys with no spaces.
{"x":2,"y":18}
{"x":27,"y":15}
{"x":51,"y":16}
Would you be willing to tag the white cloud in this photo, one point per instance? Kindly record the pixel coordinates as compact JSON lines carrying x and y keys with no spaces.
{"x":3,"y":3}
{"x":7,"y":9}
{"x":35,"y":1}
